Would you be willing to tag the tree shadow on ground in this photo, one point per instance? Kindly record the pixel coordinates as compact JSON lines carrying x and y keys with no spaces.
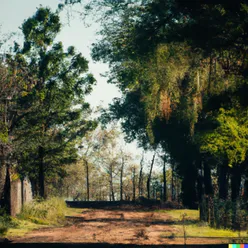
{"x":77,"y":220}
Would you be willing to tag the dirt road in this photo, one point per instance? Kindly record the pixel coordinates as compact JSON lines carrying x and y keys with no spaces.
{"x":113,"y":227}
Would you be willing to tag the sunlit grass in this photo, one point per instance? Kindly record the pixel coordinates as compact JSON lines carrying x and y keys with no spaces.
{"x":49,"y":212}
{"x":198,"y":230}
{"x":176,"y":214}
{"x":74,"y":211}
{"x":35,"y":215}
{"x":23,"y":227}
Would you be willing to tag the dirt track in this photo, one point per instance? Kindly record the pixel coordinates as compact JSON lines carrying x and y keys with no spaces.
{"x":113,"y":227}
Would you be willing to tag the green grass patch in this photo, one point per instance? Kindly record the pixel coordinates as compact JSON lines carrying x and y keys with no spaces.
{"x":34,"y":215}
{"x":48,"y":212}
{"x":6,"y":222}
{"x":201,"y":231}
{"x":176,"y":214}
{"x":75,"y":211}
{"x":23,"y":227}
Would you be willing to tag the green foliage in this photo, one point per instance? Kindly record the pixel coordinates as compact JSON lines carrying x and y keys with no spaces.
{"x":230,"y":139}
{"x":51,"y":211}
{"x":53,"y":113}
{"x":174,"y":84}
{"x":6,"y":222}
{"x":201,"y":231}
{"x":176,"y":214}
{"x":223,"y":211}
{"x":36,"y":214}
{"x":41,"y":29}
{"x":3,"y":133}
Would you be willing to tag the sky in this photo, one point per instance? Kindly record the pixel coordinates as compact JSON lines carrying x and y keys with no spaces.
{"x":74,"y":33}
{"x":12,"y":15}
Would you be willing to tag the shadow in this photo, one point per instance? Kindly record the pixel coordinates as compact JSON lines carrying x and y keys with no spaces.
{"x":148,"y":205}
{"x":77,"y":220}
{"x":100,"y":245}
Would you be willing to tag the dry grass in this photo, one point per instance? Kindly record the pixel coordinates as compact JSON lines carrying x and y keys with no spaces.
{"x":48,"y":212}
{"x":36,"y":215}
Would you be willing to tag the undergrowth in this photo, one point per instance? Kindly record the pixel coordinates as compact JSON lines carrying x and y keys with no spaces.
{"x":6,"y":222}
{"x":47,"y":212}
{"x":35,"y":214}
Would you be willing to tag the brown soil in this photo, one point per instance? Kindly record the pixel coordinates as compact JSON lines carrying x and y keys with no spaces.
{"x":113,"y":227}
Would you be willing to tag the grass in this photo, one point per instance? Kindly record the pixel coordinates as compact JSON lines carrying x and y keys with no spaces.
{"x":6,"y":222}
{"x":200,"y":229}
{"x":176,"y":214}
{"x":24,"y":226}
{"x":203,"y":232}
{"x":52,"y":212}
{"x":75,"y":211}
{"x":35,"y":215}
{"x":49,"y":212}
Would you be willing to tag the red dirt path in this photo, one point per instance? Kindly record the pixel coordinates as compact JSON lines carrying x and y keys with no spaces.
{"x":114,"y":227}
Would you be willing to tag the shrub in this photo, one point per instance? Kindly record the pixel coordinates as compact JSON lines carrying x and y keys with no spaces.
{"x":230,"y":215}
{"x":6,"y":222}
{"x":51,"y":211}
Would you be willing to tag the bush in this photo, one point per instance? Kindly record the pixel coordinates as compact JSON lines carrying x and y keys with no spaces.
{"x":6,"y":222}
{"x":230,"y":215}
{"x":51,"y":211}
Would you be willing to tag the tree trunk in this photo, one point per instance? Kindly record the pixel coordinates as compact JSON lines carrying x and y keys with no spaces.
{"x":41,"y":173}
{"x":208,"y":188}
{"x":133,"y":184}
{"x":188,"y":186}
{"x":149,"y":176}
{"x":34,"y":186}
{"x":112,"y":195}
{"x":201,"y":193}
{"x":208,"y":180}
{"x":141,"y":177}
{"x":235,"y":183}
{"x":164,"y":179}
{"x":246,"y":188}
{"x":172,"y":183}
{"x":5,"y":197}
{"x":121,"y":180}
{"x":223,"y":181}
{"x":210,"y":73}
{"x":22,"y":191}
{"x":235,"y":186}
{"x":3,"y":172}
{"x":87,"y":179}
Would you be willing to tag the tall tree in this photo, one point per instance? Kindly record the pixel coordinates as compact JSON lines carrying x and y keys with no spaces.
{"x":174,"y":84}
{"x":55,"y":110}
{"x":16,"y":80}
{"x":150,"y":175}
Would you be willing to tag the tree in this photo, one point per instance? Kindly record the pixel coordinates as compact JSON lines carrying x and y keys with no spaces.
{"x":174,"y":84}
{"x":150,"y":175}
{"x":108,"y":157}
{"x":140,"y":183}
{"x":16,"y":80}
{"x":228,"y":142}
{"x":125,"y":158}
{"x":164,"y":178}
{"x":52,"y":123}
